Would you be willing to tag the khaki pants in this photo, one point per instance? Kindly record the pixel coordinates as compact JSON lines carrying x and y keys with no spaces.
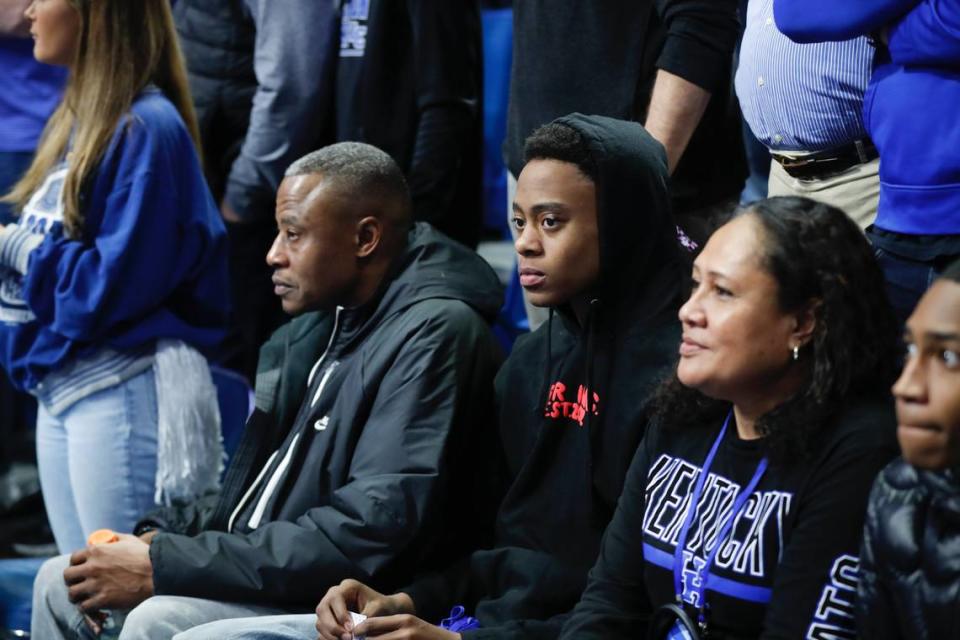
{"x":856,"y":191}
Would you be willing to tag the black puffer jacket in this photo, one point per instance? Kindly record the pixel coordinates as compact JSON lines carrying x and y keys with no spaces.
{"x":910,"y":563}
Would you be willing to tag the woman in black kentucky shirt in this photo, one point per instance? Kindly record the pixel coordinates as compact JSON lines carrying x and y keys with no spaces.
{"x":746,"y":500}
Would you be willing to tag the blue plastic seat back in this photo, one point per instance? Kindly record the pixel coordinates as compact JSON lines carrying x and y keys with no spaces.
{"x":16,"y":590}
{"x":236,"y":404}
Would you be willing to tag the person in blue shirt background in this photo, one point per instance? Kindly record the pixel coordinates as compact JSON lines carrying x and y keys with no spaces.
{"x":114,"y":275}
{"x":29,"y":92}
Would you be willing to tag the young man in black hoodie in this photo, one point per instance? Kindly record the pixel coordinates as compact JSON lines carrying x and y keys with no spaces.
{"x":353,"y":462}
{"x":597,"y":245}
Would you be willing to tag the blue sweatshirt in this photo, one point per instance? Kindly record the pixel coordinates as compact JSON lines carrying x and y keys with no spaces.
{"x":151,"y":263}
{"x":912,"y":106}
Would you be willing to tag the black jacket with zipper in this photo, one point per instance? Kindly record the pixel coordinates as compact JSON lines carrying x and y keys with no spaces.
{"x":375,"y":462}
{"x":572,"y":403}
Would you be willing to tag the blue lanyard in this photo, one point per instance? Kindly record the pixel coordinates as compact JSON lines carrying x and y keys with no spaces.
{"x":738,"y":505}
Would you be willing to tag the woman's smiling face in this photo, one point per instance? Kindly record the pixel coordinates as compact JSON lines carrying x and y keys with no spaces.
{"x":737,"y":341}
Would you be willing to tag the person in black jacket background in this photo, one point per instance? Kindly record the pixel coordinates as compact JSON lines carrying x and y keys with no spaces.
{"x":409,"y":81}
{"x":353,"y":463}
{"x":261,"y":74}
{"x":910,"y":562}
{"x":659,"y":62}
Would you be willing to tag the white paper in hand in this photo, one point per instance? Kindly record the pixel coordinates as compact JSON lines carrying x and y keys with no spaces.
{"x":357,"y":618}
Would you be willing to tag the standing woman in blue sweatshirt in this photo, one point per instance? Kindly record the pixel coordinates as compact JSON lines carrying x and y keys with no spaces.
{"x":114,"y":276}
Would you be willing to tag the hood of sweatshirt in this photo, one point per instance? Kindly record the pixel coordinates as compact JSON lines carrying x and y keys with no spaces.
{"x":572,"y":399}
{"x":639,"y":252}
{"x":432,"y":266}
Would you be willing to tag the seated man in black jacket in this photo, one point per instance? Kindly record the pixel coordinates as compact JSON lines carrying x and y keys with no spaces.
{"x":352,"y":460}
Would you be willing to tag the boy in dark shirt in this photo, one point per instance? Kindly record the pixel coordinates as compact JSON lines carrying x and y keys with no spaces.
{"x":910,"y":562}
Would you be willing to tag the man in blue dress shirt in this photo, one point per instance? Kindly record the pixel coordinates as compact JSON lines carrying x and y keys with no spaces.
{"x":805,"y":103}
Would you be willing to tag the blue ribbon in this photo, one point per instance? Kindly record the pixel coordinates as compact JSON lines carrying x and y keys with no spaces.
{"x":458,"y":621}
{"x":739,"y":504}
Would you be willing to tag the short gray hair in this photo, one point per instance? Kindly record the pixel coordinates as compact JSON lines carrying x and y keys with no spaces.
{"x":357,"y":168}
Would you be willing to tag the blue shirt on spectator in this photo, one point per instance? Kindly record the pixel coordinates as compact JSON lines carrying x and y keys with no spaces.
{"x":29,"y":92}
{"x":800,"y":97}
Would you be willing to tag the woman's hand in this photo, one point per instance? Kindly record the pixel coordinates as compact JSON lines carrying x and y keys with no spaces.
{"x":333,"y":612}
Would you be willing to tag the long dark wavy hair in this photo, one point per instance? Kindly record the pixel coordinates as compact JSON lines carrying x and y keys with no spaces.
{"x":816,"y":254}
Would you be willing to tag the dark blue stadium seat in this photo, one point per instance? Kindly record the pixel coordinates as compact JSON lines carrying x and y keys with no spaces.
{"x":16,"y":588}
{"x":17,"y":575}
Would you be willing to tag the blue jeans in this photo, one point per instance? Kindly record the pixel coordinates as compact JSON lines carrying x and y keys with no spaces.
{"x":282,"y":627}
{"x":907,"y":280}
{"x":54,"y":617}
{"x":98,"y":461}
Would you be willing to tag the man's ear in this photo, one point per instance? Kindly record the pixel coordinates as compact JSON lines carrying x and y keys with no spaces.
{"x":806,"y":323}
{"x":369,"y":236}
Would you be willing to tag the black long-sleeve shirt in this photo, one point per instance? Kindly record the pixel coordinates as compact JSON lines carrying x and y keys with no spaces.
{"x":787,"y":569}
{"x":601,"y":58}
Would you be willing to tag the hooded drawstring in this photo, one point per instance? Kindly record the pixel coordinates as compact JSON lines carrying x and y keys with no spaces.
{"x":590,"y":327}
{"x":545,"y":387}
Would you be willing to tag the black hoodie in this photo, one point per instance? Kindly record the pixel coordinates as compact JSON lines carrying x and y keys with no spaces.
{"x":374,"y":435}
{"x":567,"y":461}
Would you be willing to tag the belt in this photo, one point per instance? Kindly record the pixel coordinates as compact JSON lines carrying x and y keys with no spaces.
{"x":825,"y":163}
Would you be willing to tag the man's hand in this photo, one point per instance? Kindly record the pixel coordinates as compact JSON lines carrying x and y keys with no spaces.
{"x":403,"y":627}
{"x":110,"y":576}
{"x":333,"y":612}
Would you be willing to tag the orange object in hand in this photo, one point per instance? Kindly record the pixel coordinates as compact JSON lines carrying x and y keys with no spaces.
{"x":103,"y":536}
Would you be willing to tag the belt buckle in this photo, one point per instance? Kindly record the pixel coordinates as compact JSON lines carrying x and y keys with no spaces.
{"x":793,"y":163}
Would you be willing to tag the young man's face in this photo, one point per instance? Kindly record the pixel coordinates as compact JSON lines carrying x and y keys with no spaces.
{"x":928,"y":391}
{"x":558,"y":246}
{"x":313,"y":256}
